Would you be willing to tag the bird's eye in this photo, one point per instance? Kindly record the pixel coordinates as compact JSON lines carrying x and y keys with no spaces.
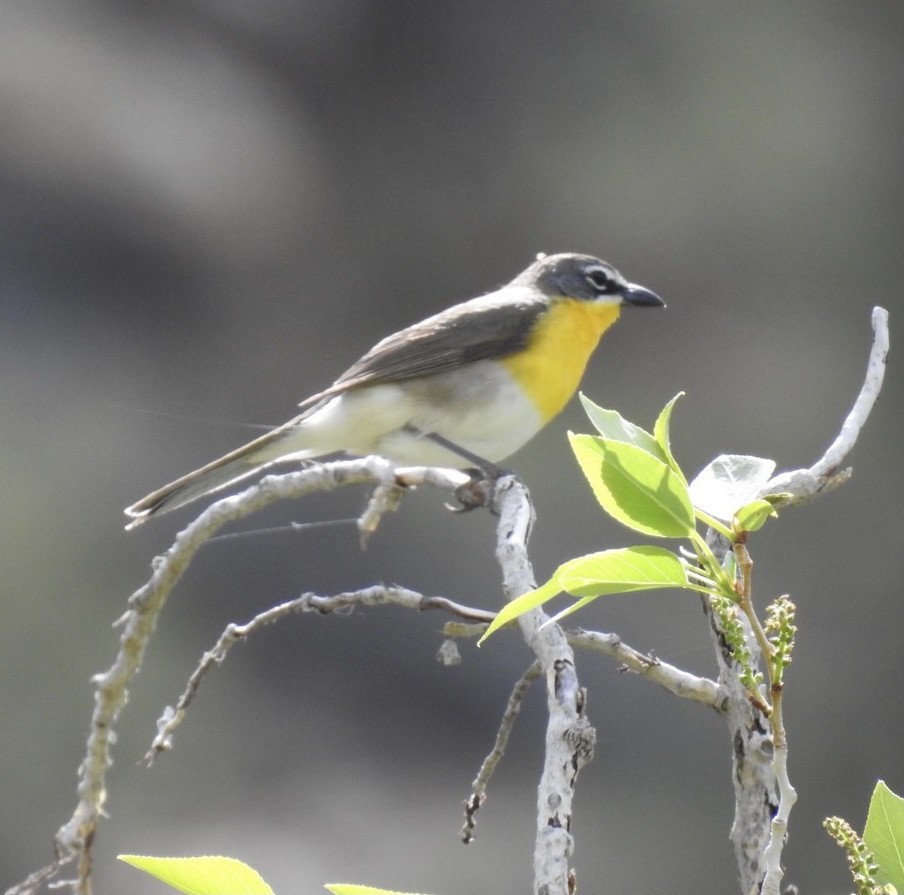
{"x":599,"y":279}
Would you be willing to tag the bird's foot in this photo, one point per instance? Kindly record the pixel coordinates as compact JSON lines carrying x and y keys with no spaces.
{"x":479,"y":491}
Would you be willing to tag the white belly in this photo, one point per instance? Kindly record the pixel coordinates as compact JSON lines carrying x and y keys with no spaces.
{"x":481,"y":410}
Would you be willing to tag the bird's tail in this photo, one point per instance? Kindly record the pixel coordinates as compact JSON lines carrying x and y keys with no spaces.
{"x":228,"y":469}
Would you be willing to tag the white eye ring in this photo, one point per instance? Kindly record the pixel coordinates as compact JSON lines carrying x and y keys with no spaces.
{"x":598,"y":278}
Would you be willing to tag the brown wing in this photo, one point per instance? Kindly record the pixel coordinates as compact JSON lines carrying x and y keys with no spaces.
{"x":475,"y":330}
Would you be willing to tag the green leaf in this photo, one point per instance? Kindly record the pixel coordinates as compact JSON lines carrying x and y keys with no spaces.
{"x":531,"y":600}
{"x":752,"y":516}
{"x":208,"y":875}
{"x":661,"y":433}
{"x":884,"y":834}
{"x":728,"y":483}
{"x":621,"y":570}
{"x":618,"y":571}
{"x":614,"y":427}
{"x":352,"y":889}
{"x":638,"y":489}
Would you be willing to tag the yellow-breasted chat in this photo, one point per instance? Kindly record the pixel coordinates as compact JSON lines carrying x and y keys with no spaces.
{"x":472,"y":383}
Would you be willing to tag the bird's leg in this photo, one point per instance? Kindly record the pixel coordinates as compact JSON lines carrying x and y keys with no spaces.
{"x":489,"y":471}
{"x":480,"y":490}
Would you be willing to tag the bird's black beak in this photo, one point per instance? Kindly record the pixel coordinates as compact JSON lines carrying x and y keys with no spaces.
{"x":633,"y":294}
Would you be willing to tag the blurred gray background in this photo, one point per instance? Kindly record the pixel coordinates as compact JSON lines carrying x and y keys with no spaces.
{"x":209,"y":209}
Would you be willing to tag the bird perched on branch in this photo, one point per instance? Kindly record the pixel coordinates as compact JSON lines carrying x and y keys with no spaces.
{"x":465,"y":387}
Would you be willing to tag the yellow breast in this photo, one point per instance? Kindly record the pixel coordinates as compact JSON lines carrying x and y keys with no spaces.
{"x":551,"y":367}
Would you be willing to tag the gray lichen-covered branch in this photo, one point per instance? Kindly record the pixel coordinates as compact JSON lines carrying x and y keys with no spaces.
{"x":762,"y":790}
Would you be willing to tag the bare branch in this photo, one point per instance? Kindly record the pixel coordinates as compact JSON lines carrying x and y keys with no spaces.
{"x":669,"y":677}
{"x":826,"y":473}
{"x":35,"y":880}
{"x":786,"y":797}
{"x":481,"y":781}
{"x":387,"y":497}
{"x":173,"y":717}
{"x":678,"y":682}
{"x":570,"y":739}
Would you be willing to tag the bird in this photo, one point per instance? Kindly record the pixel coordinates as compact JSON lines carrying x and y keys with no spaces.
{"x":466,"y":387}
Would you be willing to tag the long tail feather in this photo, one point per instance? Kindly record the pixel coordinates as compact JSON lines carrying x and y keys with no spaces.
{"x":214,"y":476}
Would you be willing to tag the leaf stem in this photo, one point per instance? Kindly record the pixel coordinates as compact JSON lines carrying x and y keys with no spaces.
{"x":745,"y":565}
{"x":715,"y":524}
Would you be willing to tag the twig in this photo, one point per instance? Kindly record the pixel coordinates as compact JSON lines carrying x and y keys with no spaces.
{"x":387,"y":497}
{"x":35,"y":880}
{"x":173,"y":717}
{"x":481,"y":781}
{"x":678,"y":682}
{"x":787,"y":797}
{"x":826,"y":473}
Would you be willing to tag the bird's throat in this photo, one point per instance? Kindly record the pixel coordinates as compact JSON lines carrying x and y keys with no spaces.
{"x":559,"y":348}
